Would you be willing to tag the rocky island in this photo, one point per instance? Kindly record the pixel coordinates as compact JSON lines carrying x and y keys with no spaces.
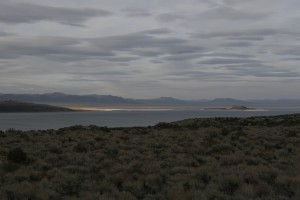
{"x":240,"y":108}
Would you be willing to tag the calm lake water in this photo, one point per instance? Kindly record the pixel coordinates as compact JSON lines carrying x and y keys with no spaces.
{"x":121,"y":118}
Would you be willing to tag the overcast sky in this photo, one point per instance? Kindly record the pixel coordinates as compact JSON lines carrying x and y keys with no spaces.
{"x":189,"y":49}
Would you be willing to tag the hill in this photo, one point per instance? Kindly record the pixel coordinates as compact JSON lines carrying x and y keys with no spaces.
{"x":15,"y":106}
{"x":213,"y":158}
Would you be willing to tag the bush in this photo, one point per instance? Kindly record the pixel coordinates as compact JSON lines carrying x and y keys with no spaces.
{"x":18,"y":191}
{"x":69,"y":185}
{"x":286,"y":186}
{"x":165,"y":125}
{"x":13,"y":131}
{"x":229,"y":186}
{"x":80,"y":147}
{"x":224,"y":131}
{"x":10,"y":167}
{"x":291,"y":133}
{"x":17,"y":155}
{"x":55,"y":149}
{"x":97,"y":128}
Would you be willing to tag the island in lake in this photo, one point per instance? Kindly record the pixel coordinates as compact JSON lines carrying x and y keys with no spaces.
{"x":240,"y":108}
{"x":16,"y":106}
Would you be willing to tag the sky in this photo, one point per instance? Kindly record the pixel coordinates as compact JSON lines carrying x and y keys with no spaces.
{"x":188,"y":49}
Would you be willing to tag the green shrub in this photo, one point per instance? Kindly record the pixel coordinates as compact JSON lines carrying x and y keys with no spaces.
{"x":55,"y":149}
{"x":229,"y":186}
{"x":286,"y":186}
{"x":97,"y":128}
{"x":80,"y":147}
{"x":262,"y":190}
{"x":268,"y":176}
{"x":10,"y":167}
{"x":13,"y":131}
{"x":203,"y":177}
{"x":292,"y":133}
{"x":17,"y":155}
{"x":165,"y":125}
{"x":19,"y":191}
{"x":69,"y":185}
{"x":224,"y":131}
{"x":112,"y":151}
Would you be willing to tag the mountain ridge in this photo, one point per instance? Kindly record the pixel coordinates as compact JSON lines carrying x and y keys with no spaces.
{"x":57,"y":98}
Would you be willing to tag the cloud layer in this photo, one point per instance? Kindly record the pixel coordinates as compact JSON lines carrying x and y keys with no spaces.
{"x":15,"y":13}
{"x":146,"y":49}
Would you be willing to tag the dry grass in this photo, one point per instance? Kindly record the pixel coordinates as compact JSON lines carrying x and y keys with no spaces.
{"x":220,"y":158}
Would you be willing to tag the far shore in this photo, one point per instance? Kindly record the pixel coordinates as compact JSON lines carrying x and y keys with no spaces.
{"x":157,"y":108}
{"x":119,"y":109}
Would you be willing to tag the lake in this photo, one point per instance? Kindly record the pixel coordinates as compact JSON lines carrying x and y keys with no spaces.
{"x":121,"y":118}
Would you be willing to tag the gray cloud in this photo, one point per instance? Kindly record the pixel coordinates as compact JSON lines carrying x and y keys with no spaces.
{"x":243,"y":34}
{"x":49,"y":47}
{"x":4,"y":34}
{"x":229,"y":13}
{"x":146,"y":53}
{"x":246,"y":66}
{"x":259,"y":70}
{"x":171,"y":17}
{"x":182,"y":57}
{"x":120,"y":58}
{"x":234,"y":73}
{"x":157,"y":31}
{"x":192,"y":56}
{"x":237,"y":44}
{"x":136,"y":40}
{"x":273,"y":73}
{"x":224,"y":61}
{"x":193,"y":75}
{"x":156,"y":61}
{"x":136,"y":12}
{"x":229,"y":55}
{"x":103,"y":73}
{"x":134,"y":45}
{"x":293,"y":50}
{"x":28,"y":13}
{"x":146,"y":44}
{"x":278,"y":74}
{"x":186,"y":49}
{"x":83,"y":80}
{"x":253,"y":38}
{"x":291,"y":58}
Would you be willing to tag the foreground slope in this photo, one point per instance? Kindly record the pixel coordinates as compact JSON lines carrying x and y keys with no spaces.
{"x":15,"y":106}
{"x":217,"y":158}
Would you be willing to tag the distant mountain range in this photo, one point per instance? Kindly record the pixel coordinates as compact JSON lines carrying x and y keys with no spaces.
{"x":109,"y":100}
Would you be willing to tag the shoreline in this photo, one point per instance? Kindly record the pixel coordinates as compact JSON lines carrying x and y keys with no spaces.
{"x":170,"y":122}
{"x":118,"y":108}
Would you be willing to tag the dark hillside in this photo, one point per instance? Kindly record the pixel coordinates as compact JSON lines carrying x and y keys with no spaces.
{"x":218,"y":158}
{"x":15,"y":106}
